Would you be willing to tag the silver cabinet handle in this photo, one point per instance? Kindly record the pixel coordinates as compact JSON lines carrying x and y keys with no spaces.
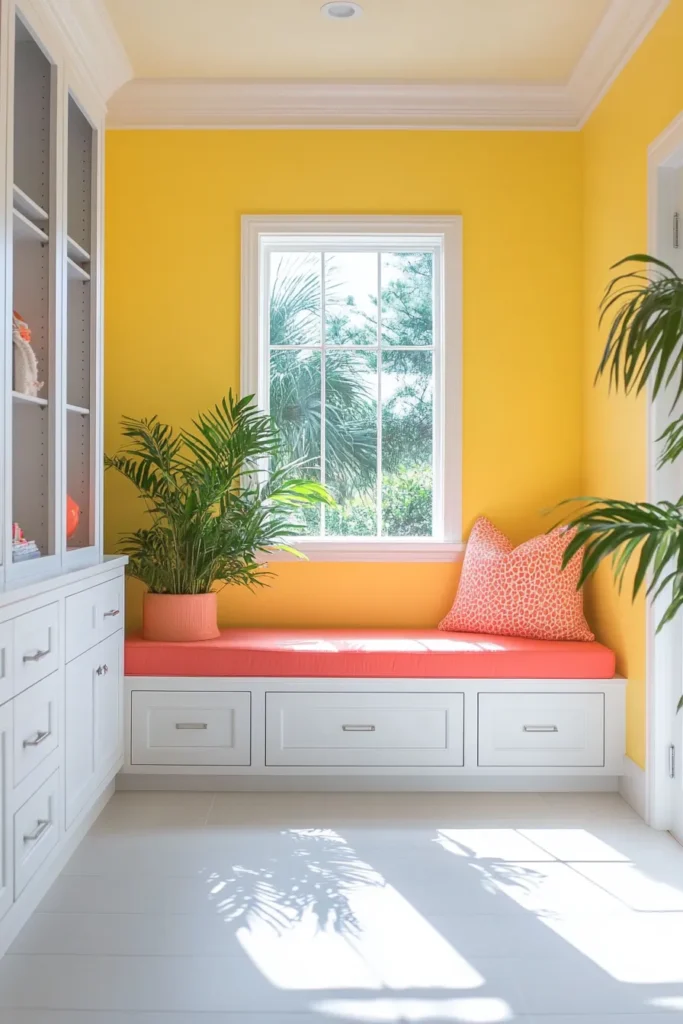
{"x":38,"y":656}
{"x":39,"y":738}
{"x":102,"y":670}
{"x":112,"y":613}
{"x":38,"y":831}
{"x":540,"y":728}
{"x":192,"y":725}
{"x":358,"y":728}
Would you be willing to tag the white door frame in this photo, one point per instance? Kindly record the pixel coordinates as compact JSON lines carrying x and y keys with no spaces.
{"x":665,"y":649}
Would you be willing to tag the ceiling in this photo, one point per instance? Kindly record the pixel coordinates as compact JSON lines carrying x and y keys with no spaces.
{"x":482,"y":41}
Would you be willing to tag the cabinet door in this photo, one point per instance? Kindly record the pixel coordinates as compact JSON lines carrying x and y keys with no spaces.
{"x":108,"y":704}
{"x":6,"y":846}
{"x":79,"y":732}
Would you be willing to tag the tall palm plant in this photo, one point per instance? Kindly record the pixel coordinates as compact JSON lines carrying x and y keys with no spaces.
{"x":644,"y":307}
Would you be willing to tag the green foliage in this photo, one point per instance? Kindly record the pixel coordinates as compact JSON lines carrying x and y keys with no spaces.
{"x":644,"y":307}
{"x":351,"y":393}
{"x":212,"y":506}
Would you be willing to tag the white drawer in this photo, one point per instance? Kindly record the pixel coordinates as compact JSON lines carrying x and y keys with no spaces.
{"x":6,"y":660}
{"x":364,"y":729}
{"x":541,"y":730}
{"x":36,"y":646}
{"x":92,"y":615}
{"x":36,"y":831}
{"x":176,"y":728}
{"x":36,"y":725}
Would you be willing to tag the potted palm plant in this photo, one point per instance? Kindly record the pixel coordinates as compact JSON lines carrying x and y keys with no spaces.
{"x":219,"y":499}
{"x":644,"y":307}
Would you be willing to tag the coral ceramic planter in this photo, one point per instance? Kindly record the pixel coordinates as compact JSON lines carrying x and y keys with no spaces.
{"x":180,"y":617}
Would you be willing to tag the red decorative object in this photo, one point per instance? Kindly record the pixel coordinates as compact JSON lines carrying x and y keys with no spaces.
{"x":73,"y":516}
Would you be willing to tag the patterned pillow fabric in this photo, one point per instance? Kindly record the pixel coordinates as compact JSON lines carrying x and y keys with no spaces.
{"x":520,"y":591}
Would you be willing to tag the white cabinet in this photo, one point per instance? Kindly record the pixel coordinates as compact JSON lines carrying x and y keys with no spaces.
{"x":6,"y":660}
{"x":364,"y":729}
{"x":190,"y":728}
{"x":37,"y":715}
{"x":92,"y":615}
{"x":6,"y":844}
{"x":51,"y":373}
{"x":36,"y":645}
{"x":36,"y":831}
{"x":93,"y":720}
{"x":542,"y":730}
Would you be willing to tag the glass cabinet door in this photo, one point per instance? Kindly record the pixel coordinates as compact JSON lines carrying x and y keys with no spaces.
{"x":33,"y":378}
{"x":80,"y":333}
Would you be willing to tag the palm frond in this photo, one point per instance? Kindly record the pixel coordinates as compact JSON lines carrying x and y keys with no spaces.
{"x":214,"y":510}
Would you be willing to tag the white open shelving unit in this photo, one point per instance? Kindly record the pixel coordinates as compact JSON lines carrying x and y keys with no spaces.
{"x":52,"y":444}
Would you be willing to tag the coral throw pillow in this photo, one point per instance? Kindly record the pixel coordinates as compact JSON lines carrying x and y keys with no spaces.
{"x":519,"y":591}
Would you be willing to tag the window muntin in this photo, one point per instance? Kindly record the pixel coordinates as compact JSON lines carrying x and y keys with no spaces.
{"x":353,"y":326}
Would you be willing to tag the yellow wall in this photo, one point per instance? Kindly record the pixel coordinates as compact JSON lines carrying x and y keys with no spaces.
{"x":174,"y":201}
{"x":646,"y":96}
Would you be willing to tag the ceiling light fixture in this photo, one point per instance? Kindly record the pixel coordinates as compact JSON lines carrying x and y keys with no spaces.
{"x":341,"y":11}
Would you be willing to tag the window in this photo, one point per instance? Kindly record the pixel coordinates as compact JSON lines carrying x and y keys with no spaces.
{"x":351,"y":339}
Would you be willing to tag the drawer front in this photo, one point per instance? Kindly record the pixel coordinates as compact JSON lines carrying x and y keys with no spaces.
{"x":204,"y":728}
{"x":541,"y":730}
{"x":364,"y":729}
{"x":6,"y":661}
{"x":92,"y":615}
{"x":36,"y":725}
{"x":36,"y":832}
{"x":36,"y":646}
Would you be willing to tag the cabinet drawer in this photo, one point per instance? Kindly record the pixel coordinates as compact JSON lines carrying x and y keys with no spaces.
{"x":36,"y":725}
{"x":175,"y":728}
{"x":6,"y":660}
{"x":36,"y":646}
{"x":92,"y":615}
{"x":36,"y":832}
{"x":364,"y":729}
{"x":541,"y":730}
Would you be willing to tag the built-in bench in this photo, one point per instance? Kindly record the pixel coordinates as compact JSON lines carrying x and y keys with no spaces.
{"x":371,"y":705}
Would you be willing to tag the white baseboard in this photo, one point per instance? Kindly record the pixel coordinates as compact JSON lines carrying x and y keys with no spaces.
{"x":633,"y":788}
{"x":369,"y":784}
{"x":19,"y":913}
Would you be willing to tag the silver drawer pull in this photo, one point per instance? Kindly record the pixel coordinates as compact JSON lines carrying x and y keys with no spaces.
{"x":358,"y":728}
{"x":38,"y":656}
{"x":192,"y":725}
{"x":38,"y":831}
{"x":39,"y":738}
{"x":112,"y":613}
{"x":102,"y":670}
{"x":540,"y":728}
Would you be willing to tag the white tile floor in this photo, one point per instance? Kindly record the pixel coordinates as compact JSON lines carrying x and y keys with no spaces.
{"x":297,"y":909}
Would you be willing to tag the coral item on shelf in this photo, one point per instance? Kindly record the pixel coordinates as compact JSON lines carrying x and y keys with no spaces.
{"x":25,"y":363}
{"x":22,"y":549}
{"x":73,"y":516}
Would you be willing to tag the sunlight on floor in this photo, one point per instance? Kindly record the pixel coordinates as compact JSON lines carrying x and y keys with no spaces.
{"x":464,"y":1011}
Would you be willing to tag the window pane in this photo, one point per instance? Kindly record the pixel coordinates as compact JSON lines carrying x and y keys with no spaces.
{"x":295,"y":406}
{"x":407,"y":298}
{"x":351,"y":298}
{"x":351,"y":442}
{"x":407,"y":430}
{"x":295,"y":298}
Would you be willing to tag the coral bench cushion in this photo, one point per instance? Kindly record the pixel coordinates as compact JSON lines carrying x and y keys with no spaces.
{"x":370,"y":653}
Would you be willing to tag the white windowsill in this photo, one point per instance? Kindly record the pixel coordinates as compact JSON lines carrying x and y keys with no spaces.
{"x":371,"y":550}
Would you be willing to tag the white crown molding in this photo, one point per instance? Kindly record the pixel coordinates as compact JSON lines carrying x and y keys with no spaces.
{"x":622,"y":29}
{"x":86,"y":34}
{"x":229,"y":103}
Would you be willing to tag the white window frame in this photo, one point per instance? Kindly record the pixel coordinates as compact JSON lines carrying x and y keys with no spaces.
{"x":445,"y":234}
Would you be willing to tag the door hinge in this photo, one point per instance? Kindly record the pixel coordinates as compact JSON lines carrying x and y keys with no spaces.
{"x":672,"y":761}
{"x":676,"y":231}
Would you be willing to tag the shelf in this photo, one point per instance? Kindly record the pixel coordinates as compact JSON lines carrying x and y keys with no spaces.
{"x":29,"y":399}
{"x":75,"y":272}
{"x":26,"y":231}
{"x":80,"y":409}
{"x":24,"y":204}
{"x":76,"y":251}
